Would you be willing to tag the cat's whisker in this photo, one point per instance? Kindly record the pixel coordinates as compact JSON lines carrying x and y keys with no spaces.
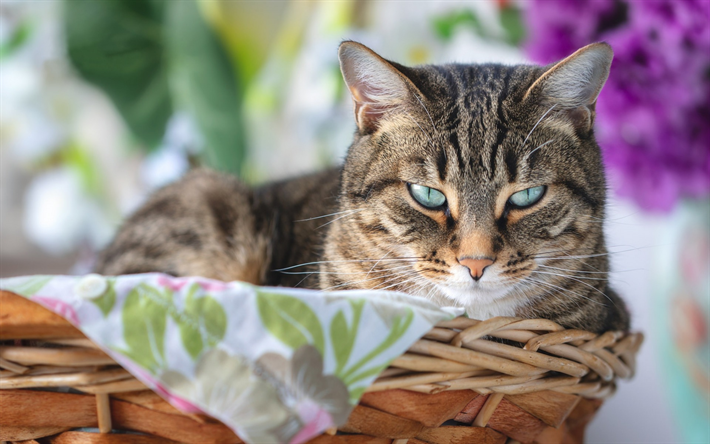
{"x":581,"y":282}
{"x":396,"y":275}
{"x":427,"y":113}
{"x":601,"y":219}
{"x":531,"y":152}
{"x":587,"y":256}
{"x":431,"y":141}
{"x":563,"y":290}
{"x":408,"y":258}
{"x":588,"y":272}
{"x":548,"y":252}
{"x":538,"y":122}
{"x":567,"y":256}
{"x":572,"y":270}
{"x":341,"y":273}
{"x":351,"y":213}
{"x":327,"y":215}
{"x":396,"y":284}
{"x":375,"y":264}
{"x":569,"y":275}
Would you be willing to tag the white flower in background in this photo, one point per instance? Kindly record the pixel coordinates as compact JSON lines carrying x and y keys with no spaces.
{"x":170,"y":161}
{"x":183,"y":134}
{"x":163,"y":166}
{"x":63,"y":137}
{"x":24,"y":108}
{"x":59,"y":215}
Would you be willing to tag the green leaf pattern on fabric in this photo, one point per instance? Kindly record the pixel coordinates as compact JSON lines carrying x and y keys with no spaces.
{"x":294,"y":323}
{"x":28,"y":287}
{"x":203,"y":321}
{"x":343,"y":337}
{"x":106,"y":301}
{"x":144,"y":320}
{"x":290,"y":320}
{"x":336,"y":344}
{"x":399,"y":328}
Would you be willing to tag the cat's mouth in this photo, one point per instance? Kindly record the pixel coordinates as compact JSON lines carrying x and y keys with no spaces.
{"x":462,"y":290}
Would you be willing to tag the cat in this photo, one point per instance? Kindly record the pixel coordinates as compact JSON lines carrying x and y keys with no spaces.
{"x":479,"y":186}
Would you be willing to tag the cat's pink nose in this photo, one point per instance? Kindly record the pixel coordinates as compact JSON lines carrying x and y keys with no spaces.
{"x":476,"y":266}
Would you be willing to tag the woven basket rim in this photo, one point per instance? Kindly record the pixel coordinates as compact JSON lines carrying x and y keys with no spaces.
{"x":552,"y":358}
{"x":455,"y":355}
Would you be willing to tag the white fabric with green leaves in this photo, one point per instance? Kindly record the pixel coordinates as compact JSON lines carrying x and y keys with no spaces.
{"x":274,"y":364}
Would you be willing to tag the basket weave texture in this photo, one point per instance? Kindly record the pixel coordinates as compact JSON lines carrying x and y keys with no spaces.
{"x":458,"y":384}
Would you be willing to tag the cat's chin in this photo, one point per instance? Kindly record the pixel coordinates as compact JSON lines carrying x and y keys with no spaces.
{"x":483,"y":301}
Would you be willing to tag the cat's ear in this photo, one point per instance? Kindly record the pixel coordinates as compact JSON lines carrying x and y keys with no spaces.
{"x":574,"y":84}
{"x":376,"y":86}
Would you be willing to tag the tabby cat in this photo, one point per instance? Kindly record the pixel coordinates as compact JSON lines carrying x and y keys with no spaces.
{"x":473,"y":185}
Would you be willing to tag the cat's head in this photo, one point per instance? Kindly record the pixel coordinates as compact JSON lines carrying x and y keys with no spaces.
{"x":466,"y":183}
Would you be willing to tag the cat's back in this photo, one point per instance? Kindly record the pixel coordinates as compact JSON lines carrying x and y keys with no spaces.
{"x":210,"y":224}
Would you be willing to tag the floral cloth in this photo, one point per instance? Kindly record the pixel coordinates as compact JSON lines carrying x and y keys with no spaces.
{"x":274,"y":364}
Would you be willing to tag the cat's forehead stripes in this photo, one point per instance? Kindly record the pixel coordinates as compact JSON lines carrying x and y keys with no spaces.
{"x":475,"y":123}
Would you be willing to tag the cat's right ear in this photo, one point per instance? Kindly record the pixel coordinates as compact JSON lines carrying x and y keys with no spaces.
{"x":376,"y":86}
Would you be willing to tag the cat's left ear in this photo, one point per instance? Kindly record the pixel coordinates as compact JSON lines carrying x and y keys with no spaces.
{"x":574,"y":84}
{"x":377,"y":87}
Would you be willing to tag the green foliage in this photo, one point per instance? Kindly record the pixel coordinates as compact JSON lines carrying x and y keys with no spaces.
{"x":152,"y":56}
{"x":79,"y":158}
{"x":144,"y":320}
{"x":205,"y":84}
{"x":15,"y":40}
{"x":290,"y":320}
{"x":106,"y":301}
{"x":445,"y":25}
{"x":511,"y":19}
{"x":119,"y":47}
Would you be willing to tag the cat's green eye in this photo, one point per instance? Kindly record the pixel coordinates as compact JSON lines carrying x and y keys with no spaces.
{"x":429,"y":197}
{"x":525,"y":198}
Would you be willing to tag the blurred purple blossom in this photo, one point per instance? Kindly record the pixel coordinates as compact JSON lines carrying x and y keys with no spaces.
{"x":654,"y":112}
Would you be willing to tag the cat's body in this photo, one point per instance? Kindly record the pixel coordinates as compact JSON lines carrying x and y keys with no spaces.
{"x":473,"y":185}
{"x":209,"y":224}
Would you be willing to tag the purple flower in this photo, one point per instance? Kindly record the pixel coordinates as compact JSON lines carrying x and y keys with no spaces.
{"x":653,"y":112}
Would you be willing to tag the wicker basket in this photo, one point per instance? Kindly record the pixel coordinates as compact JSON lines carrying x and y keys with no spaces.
{"x":452,"y":386}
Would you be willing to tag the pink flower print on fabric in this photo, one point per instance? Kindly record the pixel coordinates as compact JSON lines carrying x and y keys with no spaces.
{"x":177,"y":284}
{"x":209,"y":285}
{"x":59,"y":307}
{"x":174,"y":284}
{"x":315,"y":418}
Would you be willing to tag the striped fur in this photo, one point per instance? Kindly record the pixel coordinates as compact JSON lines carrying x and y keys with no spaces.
{"x":477,"y":133}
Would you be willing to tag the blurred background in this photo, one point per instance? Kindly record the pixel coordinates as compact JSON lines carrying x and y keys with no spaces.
{"x":103,"y":102}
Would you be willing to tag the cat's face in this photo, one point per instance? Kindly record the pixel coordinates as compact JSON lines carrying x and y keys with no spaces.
{"x":469,"y":183}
